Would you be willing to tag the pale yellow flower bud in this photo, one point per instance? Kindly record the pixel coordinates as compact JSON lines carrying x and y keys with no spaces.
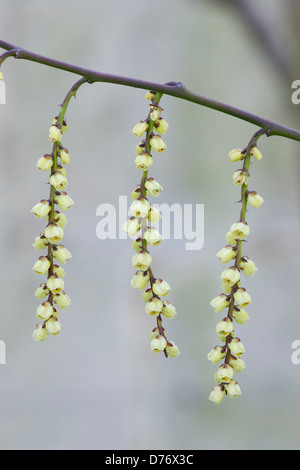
{"x":41,"y":209}
{"x":236,"y":347}
{"x":226,"y":254}
{"x":53,"y":233}
{"x":220,"y":302}
{"x":63,"y":201}
{"x":168,"y":310}
{"x":42,"y":291}
{"x":230,"y":239}
{"x":40,"y":333}
{"x":172,"y":349}
{"x":140,"y":128}
{"x":236,"y":154}
{"x":53,"y":326}
{"x":217,"y":395}
{"x":144,"y":161}
{"x":161,"y":126}
{"x":136,"y":193}
{"x":140,"y":148}
{"x":240,"y":177}
{"x":45,"y":163}
{"x":160,"y":287}
{"x":140,"y":280}
{"x":137,"y":244}
{"x":256,"y":153}
{"x":45,"y":311}
{"x":224,"y":374}
{"x":242,"y":297}
{"x":153,"y":187}
{"x":240,"y":315}
{"x":233,"y":389}
{"x":224,"y":328}
{"x":55,"y":284}
{"x":147,"y":295}
{"x":40,"y":242}
{"x":230,"y":276}
{"x":247,"y":266}
{"x":216,"y":355}
{"x":157,"y":143}
{"x":58,"y":270}
{"x":150,"y":95}
{"x":152,"y":236}
{"x":60,"y":219}
{"x":58,"y":181}
{"x":140,"y":207}
{"x":155,"y":113}
{"x":62,"y":300}
{"x":154,"y":215}
{"x":64,"y":126}
{"x":240,"y":230}
{"x":154,"y":306}
{"x":142,"y":260}
{"x":64,"y":156}
{"x":132,"y":226}
{"x":55,"y":134}
{"x":254,"y":199}
{"x":158,"y":343}
{"x":237,"y":364}
{"x":61,"y":254}
{"x":42,"y":265}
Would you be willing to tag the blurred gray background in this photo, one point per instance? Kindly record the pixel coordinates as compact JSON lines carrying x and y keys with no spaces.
{"x":97,"y":385}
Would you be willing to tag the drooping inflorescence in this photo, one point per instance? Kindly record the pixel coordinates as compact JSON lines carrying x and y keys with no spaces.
{"x":234,"y":296}
{"x":139,"y":226}
{"x":52,"y":290}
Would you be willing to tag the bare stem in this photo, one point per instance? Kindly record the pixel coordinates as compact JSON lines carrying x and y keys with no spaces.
{"x":176,"y":89}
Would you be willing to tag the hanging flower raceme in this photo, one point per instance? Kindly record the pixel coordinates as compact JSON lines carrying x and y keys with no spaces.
{"x":143,"y":214}
{"x":234,"y":297}
{"x":52,"y":290}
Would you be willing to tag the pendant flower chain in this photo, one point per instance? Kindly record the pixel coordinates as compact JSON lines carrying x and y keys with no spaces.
{"x":51,"y":238}
{"x":139,"y":225}
{"x":234,"y":296}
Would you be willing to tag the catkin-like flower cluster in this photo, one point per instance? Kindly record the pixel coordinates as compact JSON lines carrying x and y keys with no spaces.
{"x":52,"y":290}
{"x":234,"y":295}
{"x":139,"y":226}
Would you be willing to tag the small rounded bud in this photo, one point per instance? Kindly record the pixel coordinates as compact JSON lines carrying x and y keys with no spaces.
{"x":64,"y":156}
{"x":153,"y":187}
{"x":216,"y":355}
{"x":58,"y":181}
{"x":224,"y":374}
{"x":53,"y":233}
{"x":41,"y":209}
{"x":45,"y":310}
{"x":154,"y":306}
{"x":236,"y":347}
{"x":161,"y":126}
{"x":237,"y":364}
{"x":53,"y":326}
{"x":254,"y":199}
{"x":42,"y":265}
{"x":247,"y":266}
{"x":62,"y":300}
{"x":217,"y":395}
{"x":220,"y":302}
{"x":147,"y":295}
{"x":154,"y":215}
{"x":225,"y":328}
{"x":240,"y":230}
{"x":226,"y":254}
{"x":140,"y":280}
{"x":140,"y":128}
{"x":157,"y":143}
{"x":140,"y":207}
{"x":236,"y":154}
{"x":142,"y":260}
{"x":60,"y":219}
{"x":168,"y":310}
{"x":256,"y":153}
{"x":55,"y":284}
{"x":158,"y":343}
{"x":160,"y":287}
{"x":240,"y":315}
{"x":144,"y":161}
{"x":152,"y":236}
{"x":63,"y":200}
{"x":172,"y":349}
{"x":61,"y":254}
{"x":40,"y":242}
{"x":230,"y":276}
{"x":40,"y":333}
{"x":42,"y":291}
{"x":45,"y":163}
{"x":233,"y":389}
{"x":132,"y":226}
{"x":242,"y":297}
{"x":55,"y":134}
{"x":240,"y":177}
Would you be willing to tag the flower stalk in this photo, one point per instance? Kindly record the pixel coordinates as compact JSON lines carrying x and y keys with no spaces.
{"x":235,"y":297}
